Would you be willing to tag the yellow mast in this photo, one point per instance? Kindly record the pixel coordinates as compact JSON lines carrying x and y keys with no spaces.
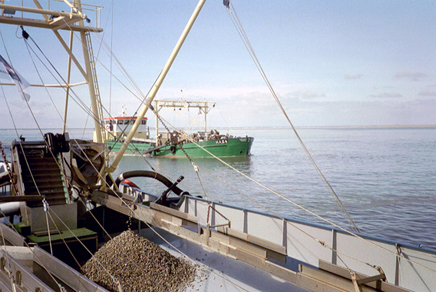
{"x":157,"y":85}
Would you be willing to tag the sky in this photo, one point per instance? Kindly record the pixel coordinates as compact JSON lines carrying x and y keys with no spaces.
{"x":330,"y":63}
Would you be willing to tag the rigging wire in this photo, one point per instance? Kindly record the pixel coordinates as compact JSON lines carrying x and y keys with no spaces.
{"x":40,"y":262}
{"x":204,"y":192}
{"x":310,"y":212}
{"x":225,"y":121}
{"x":75,"y":97}
{"x":238,"y":25}
{"x":323,"y":243}
{"x":110,"y":77}
{"x":125,"y":73}
{"x":51,"y":211}
{"x":159,"y":235}
{"x":299,"y":138}
{"x":80,"y":103}
{"x":37,"y":189}
{"x":31,"y":174}
{"x":129,"y":76}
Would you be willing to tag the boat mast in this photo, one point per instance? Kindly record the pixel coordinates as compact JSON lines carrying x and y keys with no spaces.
{"x":156,"y":109}
{"x":56,"y":21}
{"x":67,"y":92}
{"x":157,"y":85}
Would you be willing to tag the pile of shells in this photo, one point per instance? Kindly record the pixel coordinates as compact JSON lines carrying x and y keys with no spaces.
{"x":133,"y":263}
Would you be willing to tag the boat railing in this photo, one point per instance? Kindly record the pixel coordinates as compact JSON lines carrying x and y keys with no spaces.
{"x":331,"y":245}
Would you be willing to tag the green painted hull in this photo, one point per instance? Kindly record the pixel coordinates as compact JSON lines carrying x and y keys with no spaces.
{"x":240,"y":146}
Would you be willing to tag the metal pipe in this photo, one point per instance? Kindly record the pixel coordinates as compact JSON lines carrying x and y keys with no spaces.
{"x":67,"y":94}
{"x":42,"y":11}
{"x":157,"y":85}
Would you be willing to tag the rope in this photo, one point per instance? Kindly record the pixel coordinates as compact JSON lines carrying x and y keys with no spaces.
{"x":45,"y":204}
{"x":106,"y":232}
{"x":197,"y":166}
{"x":313,"y":162}
{"x":95,"y":219}
{"x":31,"y":174}
{"x":87,"y":110}
{"x":83,"y":245}
{"x":75,"y":97}
{"x":63,"y":239}
{"x":236,"y":22}
{"x":306,"y":210}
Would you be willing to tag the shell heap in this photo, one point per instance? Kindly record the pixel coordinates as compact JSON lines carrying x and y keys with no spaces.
{"x":138,"y":265}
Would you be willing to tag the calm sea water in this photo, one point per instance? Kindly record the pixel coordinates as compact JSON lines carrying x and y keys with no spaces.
{"x":386,"y":178}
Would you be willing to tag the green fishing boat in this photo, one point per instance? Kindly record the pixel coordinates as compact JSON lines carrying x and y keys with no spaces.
{"x":178,"y":143}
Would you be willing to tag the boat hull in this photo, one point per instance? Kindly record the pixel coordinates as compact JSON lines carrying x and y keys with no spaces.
{"x":240,"y":146}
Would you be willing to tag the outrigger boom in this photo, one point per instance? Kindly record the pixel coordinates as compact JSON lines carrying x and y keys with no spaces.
{"x":149,"y":100}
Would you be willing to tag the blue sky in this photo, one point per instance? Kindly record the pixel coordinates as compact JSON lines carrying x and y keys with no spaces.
{"x":331,"y":63}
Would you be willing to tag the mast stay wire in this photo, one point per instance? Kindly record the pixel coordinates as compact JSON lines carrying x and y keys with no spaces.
{"x":271,"y":88}
{"x":266,"y":80}
{"x":250,"y":49}
{"x":279,"y":105}
{"x":86,"y":109}
{"x":238,"y":25}
{"x":124,"y":71}
{"x":139,"y":92}
{"x":58,"y":166}
{"x":119,"y":65}
{"x":75,"y":97}
{"x":16,"y":131}
{"x":122,"y":200}
{"x":78,"y":101}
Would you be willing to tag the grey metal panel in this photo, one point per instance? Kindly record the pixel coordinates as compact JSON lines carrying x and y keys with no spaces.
{"x":11,"y":236}
{"x":270,"y":228}
{"x":65,"y":273}
{"x":305,"y":248}
{"x":366,"y":252}
{"x":202,"y":207}
{"x":191,"y":202}
{"x":419,"y":275}
{"x":236,"y":217}
{"x":67,"y":212}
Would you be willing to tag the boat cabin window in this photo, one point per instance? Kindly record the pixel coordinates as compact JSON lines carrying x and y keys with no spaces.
{"x":143,"y":122}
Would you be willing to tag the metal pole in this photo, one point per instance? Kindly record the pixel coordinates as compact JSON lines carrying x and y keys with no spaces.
{"x":157,"y":85}
{"x":205,"y":122}
{"x":156,"y":108}
{"x":67,"y":95}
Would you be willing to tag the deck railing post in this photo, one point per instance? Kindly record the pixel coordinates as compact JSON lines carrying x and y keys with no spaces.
{"x":334,"y":247}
